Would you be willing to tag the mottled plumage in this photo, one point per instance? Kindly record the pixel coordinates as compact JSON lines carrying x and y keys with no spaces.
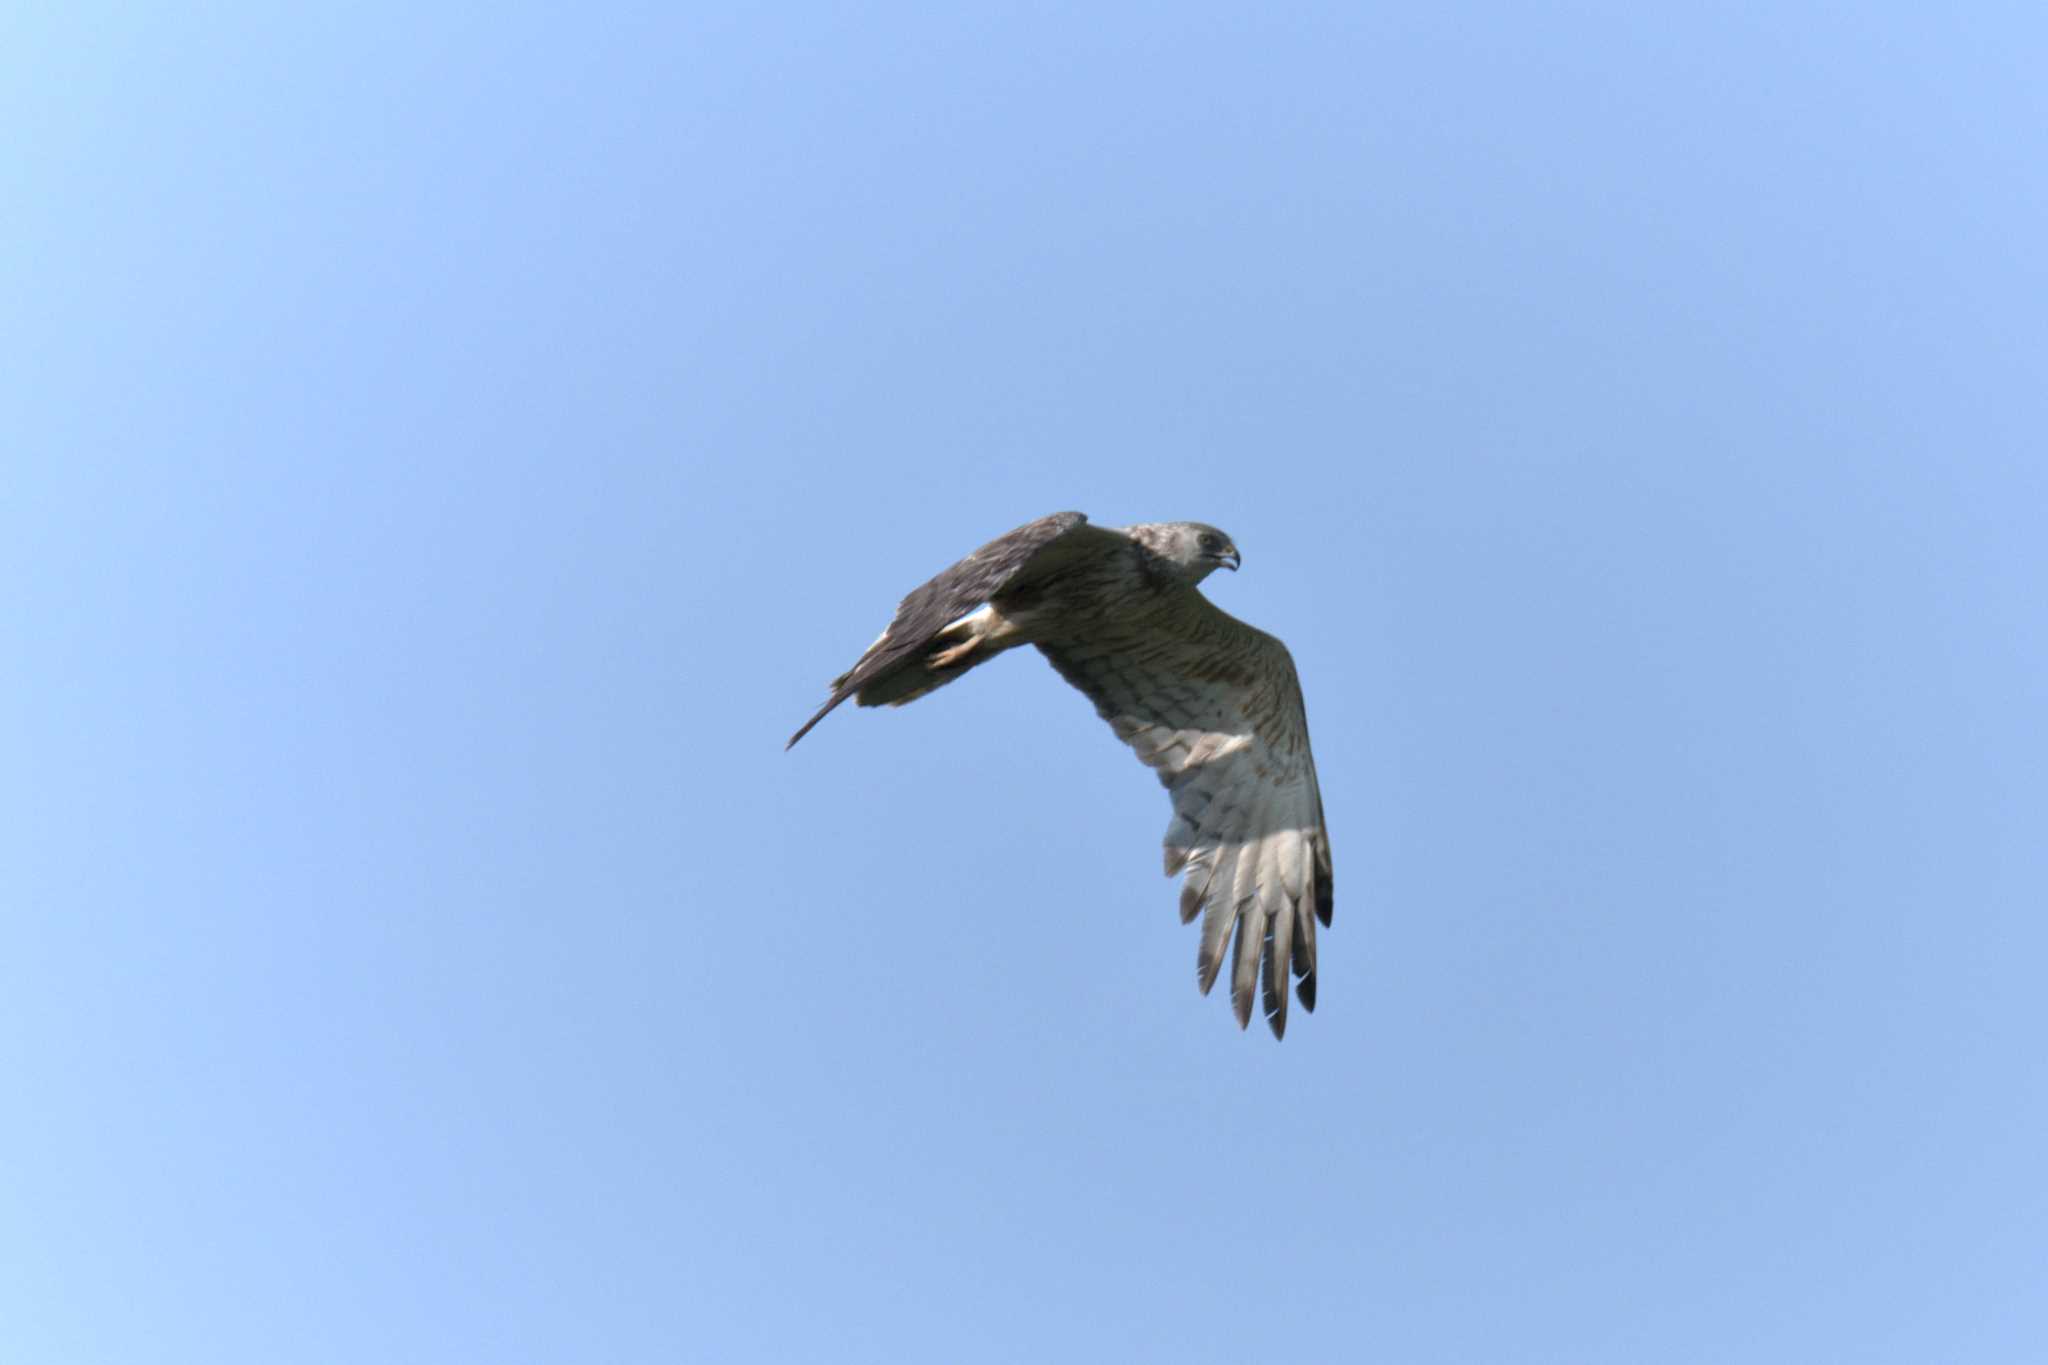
{"x":1212,"y":705}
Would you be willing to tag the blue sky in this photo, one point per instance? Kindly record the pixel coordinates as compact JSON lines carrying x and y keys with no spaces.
{"x":450,"y":451}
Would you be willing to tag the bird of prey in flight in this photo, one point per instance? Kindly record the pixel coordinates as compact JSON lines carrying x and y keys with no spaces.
{"x":1209,"y":703}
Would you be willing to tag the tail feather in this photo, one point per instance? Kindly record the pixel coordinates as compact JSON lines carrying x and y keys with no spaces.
{"x":823,"y":712}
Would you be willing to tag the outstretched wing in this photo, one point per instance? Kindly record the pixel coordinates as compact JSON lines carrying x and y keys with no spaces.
{"x":1214,"y":707}
{"x":894,"y":667}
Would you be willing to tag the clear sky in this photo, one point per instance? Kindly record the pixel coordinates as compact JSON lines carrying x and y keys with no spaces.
{"x":447,"y":452}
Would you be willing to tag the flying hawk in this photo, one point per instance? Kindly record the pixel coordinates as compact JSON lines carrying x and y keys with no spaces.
{"x":1209,"y":703}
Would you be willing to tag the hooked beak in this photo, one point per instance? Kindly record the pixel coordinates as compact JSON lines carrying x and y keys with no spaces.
{"x":1230,"y":559}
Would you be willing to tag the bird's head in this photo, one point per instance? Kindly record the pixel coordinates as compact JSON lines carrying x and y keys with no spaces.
{"x":1191,"y":548}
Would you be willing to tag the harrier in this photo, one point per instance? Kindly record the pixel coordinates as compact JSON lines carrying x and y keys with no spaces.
{"x":1209,"y":703}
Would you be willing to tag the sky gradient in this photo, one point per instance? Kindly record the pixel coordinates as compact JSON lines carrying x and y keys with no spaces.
{"x":450,"y":451}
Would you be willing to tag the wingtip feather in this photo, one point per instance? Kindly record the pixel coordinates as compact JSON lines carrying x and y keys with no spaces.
{"x":1244,"y":962}
{"x":1279,"y":956}
{"x":1326,"y":893}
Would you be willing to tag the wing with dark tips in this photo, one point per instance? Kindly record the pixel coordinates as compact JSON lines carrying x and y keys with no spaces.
{"x":1214,"y":707}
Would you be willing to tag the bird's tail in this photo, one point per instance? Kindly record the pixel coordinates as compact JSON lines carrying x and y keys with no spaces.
{"x":897,"y":677}
{"x":823,"y":712}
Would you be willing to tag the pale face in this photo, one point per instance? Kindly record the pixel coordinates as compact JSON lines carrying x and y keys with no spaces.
{"x":1194,"y":548}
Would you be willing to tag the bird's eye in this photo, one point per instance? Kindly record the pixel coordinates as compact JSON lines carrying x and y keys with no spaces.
{"x":1210,"y":544}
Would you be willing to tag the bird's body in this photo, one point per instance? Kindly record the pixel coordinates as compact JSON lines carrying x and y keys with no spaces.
{"x":1210,"y":703}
